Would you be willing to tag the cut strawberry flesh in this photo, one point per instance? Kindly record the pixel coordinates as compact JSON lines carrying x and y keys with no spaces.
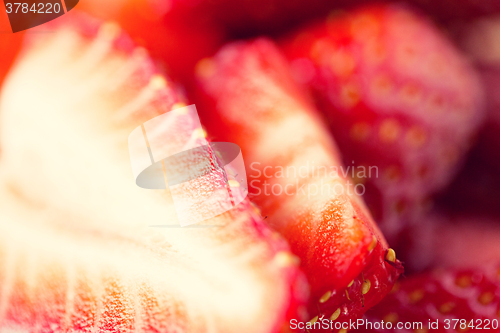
{"x":248,"y":97}
{"x":77,"y":252}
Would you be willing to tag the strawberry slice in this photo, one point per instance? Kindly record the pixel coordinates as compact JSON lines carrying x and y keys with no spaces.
{"x":443,"y":301}
{"x":399,"y":97}
{"x":248,"y":97}
{"x":77,"y":252}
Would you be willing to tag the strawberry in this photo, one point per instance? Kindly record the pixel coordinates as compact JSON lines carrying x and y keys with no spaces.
{"x":443,"y":301}
{"x":248,"y":97}
{"x":77,"y":253}
{"x":399,"y":97}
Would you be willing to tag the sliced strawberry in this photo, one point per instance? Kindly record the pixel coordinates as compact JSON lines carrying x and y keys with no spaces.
{"x":459,"y":300}
{"x":247,"y":96}
{"x":77,"y":252}
{"x":399,"y":97}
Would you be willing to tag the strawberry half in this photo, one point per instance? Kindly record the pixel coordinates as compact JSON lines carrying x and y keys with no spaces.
{"x":459,"y":300}
{"x":399,"y":98}
{"x":77,"y":252}
{"x":248,"y":97}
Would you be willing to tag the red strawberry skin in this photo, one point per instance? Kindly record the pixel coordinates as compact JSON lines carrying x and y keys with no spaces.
{"x":464,"y":294}
{"x":398,"y":96}
{"x":246,"y":95}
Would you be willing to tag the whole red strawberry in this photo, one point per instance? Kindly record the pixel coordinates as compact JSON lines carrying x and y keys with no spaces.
{"x":443,"y":301}
{"x":399,"y":98}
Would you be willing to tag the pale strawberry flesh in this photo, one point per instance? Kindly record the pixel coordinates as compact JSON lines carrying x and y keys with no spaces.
{"x":77,"y":248}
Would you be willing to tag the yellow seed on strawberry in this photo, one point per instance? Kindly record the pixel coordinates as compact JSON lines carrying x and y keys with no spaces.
{"x":325,"y":297}
{"x":390,"y":255}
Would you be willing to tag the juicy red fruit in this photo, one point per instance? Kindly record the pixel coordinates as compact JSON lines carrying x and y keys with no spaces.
{"x":248,"y":97}
{"x":398,"y":96}
{"x":470,"y":296}
{"x":77,"y":250}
